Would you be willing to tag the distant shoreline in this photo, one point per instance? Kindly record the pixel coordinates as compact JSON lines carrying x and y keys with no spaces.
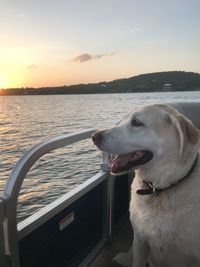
{"x":95,"y":93}
{"x":171,"y":81}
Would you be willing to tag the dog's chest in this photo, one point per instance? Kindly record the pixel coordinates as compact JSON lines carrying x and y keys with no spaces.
{"x":152,"y":218}
{"x":170,"y":235}
{"x":166,"y":221}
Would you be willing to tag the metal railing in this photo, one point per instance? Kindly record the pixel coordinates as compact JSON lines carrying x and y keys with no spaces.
{"x":9,"y":233}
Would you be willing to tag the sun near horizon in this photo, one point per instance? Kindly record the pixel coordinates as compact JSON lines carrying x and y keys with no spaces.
{"x":2,"y":84}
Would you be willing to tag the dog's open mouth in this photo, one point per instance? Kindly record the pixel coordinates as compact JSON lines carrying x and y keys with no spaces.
{"x":122,"y":164}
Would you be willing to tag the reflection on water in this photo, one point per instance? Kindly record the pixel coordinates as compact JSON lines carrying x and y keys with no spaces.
{"x":27,"y":120}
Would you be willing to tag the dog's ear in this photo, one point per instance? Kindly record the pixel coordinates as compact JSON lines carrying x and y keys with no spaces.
{"x":188,"y":134}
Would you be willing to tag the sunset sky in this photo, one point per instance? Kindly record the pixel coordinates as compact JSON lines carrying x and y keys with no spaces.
{"x":63,"y":42}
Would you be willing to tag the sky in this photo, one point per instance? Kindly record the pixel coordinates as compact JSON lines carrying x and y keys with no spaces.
{"x":64,"y":42}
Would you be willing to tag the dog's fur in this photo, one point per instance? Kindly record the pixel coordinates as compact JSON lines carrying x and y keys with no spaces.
{"x":166,"y":226}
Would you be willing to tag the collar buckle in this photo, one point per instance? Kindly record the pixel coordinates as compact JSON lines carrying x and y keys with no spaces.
{"x":155,"y":191}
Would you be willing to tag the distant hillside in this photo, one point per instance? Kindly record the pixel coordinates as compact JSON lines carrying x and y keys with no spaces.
{"x":151,"y":82}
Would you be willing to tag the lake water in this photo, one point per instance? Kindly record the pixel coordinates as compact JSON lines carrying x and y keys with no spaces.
{"x":27,"y":120}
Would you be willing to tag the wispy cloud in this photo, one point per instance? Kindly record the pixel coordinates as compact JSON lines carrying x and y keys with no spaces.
{"x":150,"y":42}
{"x":136,"y":29}
{"x":87,"y":57}
{"x":32,"y":67}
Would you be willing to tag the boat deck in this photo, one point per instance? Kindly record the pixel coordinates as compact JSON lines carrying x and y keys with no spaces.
{"x":121,"y":242}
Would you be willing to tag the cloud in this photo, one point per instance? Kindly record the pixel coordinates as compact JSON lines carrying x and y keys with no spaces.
{"x":82,"y":58}
{"x":87,"y":57}
{"x":136,"y":29}
{"x":32,"y":67}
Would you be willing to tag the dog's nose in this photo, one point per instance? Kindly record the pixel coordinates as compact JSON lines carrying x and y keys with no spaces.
{"x":97,"y":137}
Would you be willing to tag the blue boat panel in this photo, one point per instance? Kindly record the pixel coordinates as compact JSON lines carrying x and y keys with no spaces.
{"x":121,"y":197}
{"x":68,"y":237}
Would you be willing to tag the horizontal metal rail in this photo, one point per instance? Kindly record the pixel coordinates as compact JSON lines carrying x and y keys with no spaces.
{"x":9,"y":198}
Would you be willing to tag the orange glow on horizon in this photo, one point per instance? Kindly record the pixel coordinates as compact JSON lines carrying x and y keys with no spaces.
{"x":11,"y":77}
{"x":6,"y":84}
{"x":3,"y":82}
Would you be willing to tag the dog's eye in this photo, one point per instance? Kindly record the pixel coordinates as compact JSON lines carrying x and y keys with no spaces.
{"x":136,"y":123}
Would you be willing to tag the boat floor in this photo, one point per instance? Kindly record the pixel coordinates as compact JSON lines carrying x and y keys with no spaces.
{"x":121,"y":242}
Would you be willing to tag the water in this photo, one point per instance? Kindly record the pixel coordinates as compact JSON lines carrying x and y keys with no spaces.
{"x":27,"y":120}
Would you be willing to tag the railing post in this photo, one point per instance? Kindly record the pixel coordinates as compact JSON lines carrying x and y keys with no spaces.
{"x":104,"y":165}
{"x":10,"y":232}
{"x":110,"y":194}
{"x":3,"y":255}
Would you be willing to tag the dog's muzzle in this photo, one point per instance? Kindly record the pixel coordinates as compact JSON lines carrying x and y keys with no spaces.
{"x":122,"y":163}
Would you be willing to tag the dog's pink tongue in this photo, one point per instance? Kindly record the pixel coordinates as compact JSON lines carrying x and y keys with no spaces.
{"x":118,"y":163}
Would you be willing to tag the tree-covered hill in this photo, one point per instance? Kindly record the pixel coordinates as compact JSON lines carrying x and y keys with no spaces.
{"x":151,"y":82}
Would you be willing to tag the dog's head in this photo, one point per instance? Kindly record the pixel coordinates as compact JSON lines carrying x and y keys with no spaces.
{"x":146,"y":136}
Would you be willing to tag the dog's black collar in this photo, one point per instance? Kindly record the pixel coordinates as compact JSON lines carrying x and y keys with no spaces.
{"x":152,"y":190}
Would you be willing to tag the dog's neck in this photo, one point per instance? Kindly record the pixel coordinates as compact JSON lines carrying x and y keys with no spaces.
{"x":154,"y":189}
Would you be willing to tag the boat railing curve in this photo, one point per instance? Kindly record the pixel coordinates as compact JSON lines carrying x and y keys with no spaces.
{"x":8,"y":199}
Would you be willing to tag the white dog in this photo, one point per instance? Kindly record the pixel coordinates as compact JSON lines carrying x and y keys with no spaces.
{"x":161,"y":146}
